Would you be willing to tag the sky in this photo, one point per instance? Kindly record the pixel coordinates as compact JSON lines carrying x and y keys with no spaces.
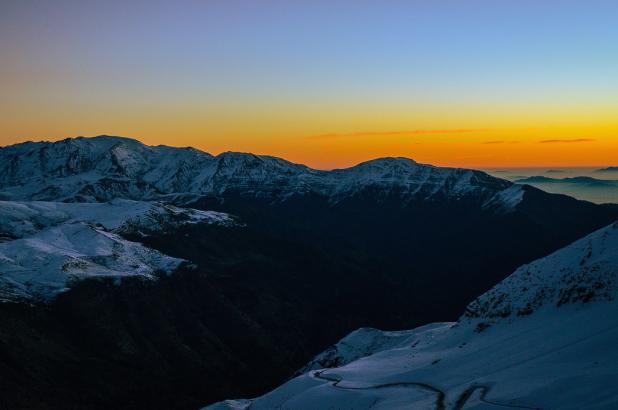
{"x":475,"y":83}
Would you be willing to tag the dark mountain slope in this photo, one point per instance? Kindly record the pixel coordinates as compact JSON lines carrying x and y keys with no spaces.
{"x":170,"y":344}
{"x":263,"y":298}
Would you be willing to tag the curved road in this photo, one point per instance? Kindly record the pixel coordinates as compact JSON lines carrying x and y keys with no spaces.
{"x":440,"y":395}
{"x":463,"y":398}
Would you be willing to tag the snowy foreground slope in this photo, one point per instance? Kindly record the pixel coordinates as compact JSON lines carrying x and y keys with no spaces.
{"x":544,"y":338}
{"x":45,"y":245}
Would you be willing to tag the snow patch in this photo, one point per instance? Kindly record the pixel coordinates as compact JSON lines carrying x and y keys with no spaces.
{"x":45,"y":246}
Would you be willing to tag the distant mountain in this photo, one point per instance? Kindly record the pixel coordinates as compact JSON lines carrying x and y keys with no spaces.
{"x":582,"y":180}
{"x":608,"y":169}
{"x":601,"y":191}
{"x":543,"y":338}
{"x":309,"y":256}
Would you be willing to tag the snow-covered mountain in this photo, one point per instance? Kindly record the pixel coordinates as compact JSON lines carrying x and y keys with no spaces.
{"x":387,"y":243}
{"x":104,"y":167}
{"x":46,"y":245}
{"x":544,"y":338}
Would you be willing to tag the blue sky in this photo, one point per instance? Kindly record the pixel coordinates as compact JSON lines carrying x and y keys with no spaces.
{"x":74,"y":62}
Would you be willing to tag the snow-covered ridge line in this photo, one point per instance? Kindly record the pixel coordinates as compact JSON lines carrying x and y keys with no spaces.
{"x":20,"y":218}
{"x":46,"y":245}
{"x":365,"y":342}
{"x":103,"y":168}
{"x":583,"y":272}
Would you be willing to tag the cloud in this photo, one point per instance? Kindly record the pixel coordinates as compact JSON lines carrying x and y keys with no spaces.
{"x":566,"y":141}
{"x":393,"y":133}
{"x":501,"y":142}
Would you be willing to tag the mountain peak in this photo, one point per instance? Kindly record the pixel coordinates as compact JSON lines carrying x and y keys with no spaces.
{"x":391,"y":160}
{"x":387,"y":162}
{"x":105,"y":137}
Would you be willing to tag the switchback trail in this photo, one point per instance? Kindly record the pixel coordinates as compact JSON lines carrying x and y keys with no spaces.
{"x":440,"y":395}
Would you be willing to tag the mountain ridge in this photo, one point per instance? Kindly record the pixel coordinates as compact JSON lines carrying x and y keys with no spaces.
{"x":104,"y":167}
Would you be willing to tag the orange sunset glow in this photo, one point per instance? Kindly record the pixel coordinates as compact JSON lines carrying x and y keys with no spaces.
{"x":322,"y":89}
{"x":477,"y":148}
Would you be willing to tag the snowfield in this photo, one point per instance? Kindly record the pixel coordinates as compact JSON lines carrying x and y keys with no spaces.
{"x":46,"y":245}
{"x":544,"y":338}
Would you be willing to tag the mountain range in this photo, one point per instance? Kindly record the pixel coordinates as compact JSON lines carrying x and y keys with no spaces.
{"x":572,"y":180}
{"x":608,"y":169}
{"x":158,"y":277}
{"x":594,"y":189}
{"x":103,"y":168}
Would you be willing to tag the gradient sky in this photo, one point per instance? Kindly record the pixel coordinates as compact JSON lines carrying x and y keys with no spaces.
{"x":479,"y":83}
